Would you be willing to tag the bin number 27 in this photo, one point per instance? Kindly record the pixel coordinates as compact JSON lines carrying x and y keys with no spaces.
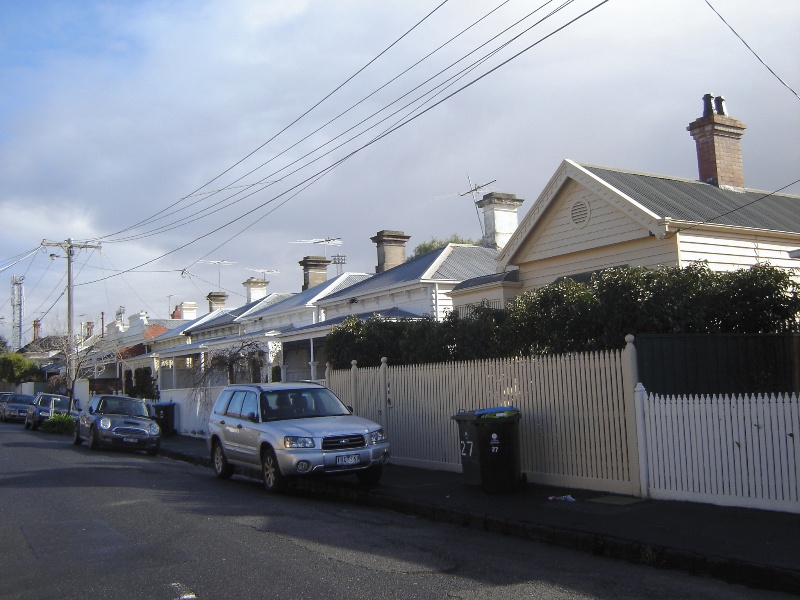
{"x":466,"y":448}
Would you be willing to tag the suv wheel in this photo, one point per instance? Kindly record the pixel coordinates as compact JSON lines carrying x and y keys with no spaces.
{"x":274,"y":481}
{"x":222,"y":468}
{"x":27,"y":422}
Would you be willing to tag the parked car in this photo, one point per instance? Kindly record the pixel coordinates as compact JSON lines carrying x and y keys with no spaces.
{"x":45,"y":405}
{"x":118,"y":422}
{"x":290,"y":430}
{"x":15,"y":408}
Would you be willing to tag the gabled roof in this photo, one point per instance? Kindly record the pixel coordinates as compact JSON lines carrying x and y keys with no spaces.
{"x":186,"y":325}
{"x":225,"y":316}
{"x":657,"y":201}
{"x":695,"y":201}
{"x":306,"y":297}
{"x":450,"y":263}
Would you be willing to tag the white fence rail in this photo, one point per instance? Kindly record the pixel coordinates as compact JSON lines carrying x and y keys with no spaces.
{"x":729,"y":450}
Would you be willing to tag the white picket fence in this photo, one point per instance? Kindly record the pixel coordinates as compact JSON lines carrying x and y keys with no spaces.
{"x":729,"y":450}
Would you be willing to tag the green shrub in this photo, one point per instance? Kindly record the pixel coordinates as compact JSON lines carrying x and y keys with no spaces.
{"x":59,"y":424}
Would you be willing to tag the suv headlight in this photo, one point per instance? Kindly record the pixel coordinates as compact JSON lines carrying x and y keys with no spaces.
{"x":105,"y":423}
{"x":376,"y":437}
{"x":293,"y":441}
{"x":154,"y":429}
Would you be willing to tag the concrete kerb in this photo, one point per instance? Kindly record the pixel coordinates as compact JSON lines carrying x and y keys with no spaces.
{"x":731,"y":571}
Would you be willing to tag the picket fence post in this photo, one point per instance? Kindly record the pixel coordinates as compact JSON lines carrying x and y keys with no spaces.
{"x":641,"y":430}
{"x":354,"y":385}
{"x":630,"y":377}
{"x":385,"y":394}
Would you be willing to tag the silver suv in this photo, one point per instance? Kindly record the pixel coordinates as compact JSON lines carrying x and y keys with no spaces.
{"x":292,"y":429}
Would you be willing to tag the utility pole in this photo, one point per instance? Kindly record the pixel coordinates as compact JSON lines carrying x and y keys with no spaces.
{"x":69,"y":248}
{"x":17,"y":310}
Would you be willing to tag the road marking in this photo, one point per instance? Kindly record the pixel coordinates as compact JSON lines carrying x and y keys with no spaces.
{"x":185,"y":593}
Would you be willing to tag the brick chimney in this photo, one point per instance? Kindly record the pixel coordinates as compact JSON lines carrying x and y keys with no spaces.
{"x":718,"y":139}
{"x":391,"y":249}
{"x":315,"y":271}
{"x":256,"y":289}
{"x":216,"y":300}
{"x":89,"y":329}
{"x":500,"y":218}
{"x":37,"y":329}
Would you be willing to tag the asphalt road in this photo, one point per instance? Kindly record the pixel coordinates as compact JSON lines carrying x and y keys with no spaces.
{"x":76,"y":523}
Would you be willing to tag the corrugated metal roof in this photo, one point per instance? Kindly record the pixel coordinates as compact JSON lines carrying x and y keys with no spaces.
{"x":461,"y":262}
{"x":384,"y":313}
{"x":466,"y":262}
{"x":512,"y":276}
{"x":687,"y":200}
{"x":303,"y":298}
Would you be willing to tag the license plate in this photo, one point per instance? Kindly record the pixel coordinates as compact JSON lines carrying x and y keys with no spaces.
{"x":348,"y":459}
{"x":130,"y":440}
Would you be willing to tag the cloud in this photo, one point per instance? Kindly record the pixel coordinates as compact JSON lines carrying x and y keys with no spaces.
{"x":112,"y":114}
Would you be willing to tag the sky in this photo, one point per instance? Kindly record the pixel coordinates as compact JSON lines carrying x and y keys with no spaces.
{"x":178,"y":134}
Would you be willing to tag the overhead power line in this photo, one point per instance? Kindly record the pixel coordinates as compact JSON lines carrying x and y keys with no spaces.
{"x":292,"y":123}
{"x":382,"y":135}
{"x":227,"y":203}
{"x":786,"y":85}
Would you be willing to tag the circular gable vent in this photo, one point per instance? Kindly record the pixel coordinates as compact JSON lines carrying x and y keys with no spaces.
{"x":580,"y":213}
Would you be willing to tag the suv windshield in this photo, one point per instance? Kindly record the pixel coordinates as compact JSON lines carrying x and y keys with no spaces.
{"x":300,"y":403}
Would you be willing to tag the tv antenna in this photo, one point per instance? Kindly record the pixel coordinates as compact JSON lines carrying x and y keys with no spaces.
{"x":263,"y":272}
{"x":328,"y":241}
{"x":474,"y":189}
{"x":339,"y":260}
{"x":220,"y":264}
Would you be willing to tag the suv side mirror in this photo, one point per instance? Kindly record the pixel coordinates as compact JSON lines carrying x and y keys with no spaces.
{"x":91,"y":410}
{"x":252,"y":417}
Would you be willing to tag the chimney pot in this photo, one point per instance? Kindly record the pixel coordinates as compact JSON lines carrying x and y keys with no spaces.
{"x":719,"y":104}
{"x":708,"y":107}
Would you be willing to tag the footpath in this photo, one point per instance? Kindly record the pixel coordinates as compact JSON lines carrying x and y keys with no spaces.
{"x":756,"y":548}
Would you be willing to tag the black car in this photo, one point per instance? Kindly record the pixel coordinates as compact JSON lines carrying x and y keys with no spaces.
{"x":118,"y":422}
{"x":43,"y":407}
{"x":16,"y":407}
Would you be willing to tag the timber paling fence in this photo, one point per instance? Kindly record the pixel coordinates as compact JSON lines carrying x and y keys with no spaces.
{"x":574,"y":425}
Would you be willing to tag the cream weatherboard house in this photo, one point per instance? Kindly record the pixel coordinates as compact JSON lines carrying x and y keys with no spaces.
{"x":590,"y":218}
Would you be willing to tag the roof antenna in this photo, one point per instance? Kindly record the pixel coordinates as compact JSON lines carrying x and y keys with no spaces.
{"x":327,"y":241}
{"x":474,"y":189}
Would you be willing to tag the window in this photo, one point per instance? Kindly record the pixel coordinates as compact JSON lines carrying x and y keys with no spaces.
{"x":222,"y":402}
{"x":235,"y":407}
{"x":250,"y":405}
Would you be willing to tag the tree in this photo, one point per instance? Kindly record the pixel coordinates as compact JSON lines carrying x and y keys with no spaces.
{"x":435,"y":243}
{"x":3,"y":345}
{"x":16,"y":369}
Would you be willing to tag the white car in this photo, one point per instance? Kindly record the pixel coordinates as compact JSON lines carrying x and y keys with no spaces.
{"x":290,"y":430}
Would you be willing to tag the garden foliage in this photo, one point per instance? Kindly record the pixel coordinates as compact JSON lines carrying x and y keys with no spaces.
{"x":569,"y":316}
